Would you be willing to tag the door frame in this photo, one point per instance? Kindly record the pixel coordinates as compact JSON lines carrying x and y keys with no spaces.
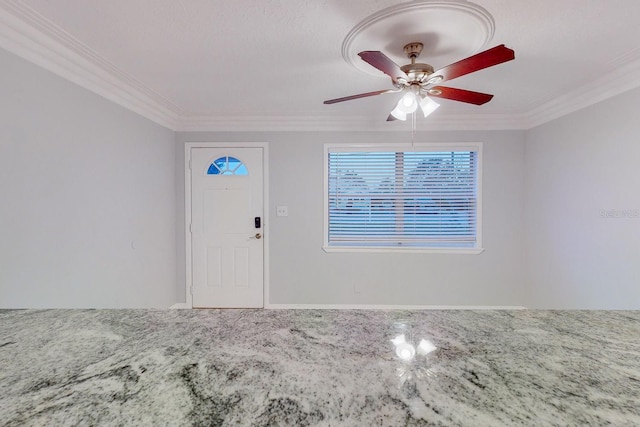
{"x":187,"y":211}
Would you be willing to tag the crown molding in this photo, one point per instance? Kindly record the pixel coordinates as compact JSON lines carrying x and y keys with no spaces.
{"x":624,"y":78}
{"x":318,"y":123}
{"x":29,"y":35}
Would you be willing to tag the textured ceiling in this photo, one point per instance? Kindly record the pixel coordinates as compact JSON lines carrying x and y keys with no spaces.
{"x":259,"y":59}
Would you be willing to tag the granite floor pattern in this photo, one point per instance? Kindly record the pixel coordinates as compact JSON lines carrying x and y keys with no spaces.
{"x":319,"y":368}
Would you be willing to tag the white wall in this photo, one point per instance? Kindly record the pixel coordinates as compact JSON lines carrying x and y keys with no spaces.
{"x":87,"y":197}
{"x":302,"y":273}
{"x":583,"y":208}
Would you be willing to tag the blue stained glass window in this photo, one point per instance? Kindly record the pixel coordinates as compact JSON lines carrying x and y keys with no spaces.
{"x":227,"y":166}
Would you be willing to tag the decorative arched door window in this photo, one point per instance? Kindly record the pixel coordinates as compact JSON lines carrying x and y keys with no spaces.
{"x":227,"y":165}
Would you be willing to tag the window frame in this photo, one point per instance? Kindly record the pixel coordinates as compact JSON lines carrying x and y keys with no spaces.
{"x":416,"y":147}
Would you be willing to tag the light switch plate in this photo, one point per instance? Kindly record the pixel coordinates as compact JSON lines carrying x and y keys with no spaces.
{"x":282,"y":211}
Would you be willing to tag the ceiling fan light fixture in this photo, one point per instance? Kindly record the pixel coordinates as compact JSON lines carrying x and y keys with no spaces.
{"x":428,"y":106}
{"x":398,"y":114}
{"x":408,"y":103}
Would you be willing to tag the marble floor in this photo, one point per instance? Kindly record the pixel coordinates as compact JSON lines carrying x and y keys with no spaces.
{"x":319,"y":368}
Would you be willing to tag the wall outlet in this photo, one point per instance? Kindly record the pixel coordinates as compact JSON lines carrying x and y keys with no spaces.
{"x":282,"y":211}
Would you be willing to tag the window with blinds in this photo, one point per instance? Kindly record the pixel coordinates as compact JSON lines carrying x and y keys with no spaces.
{"x":418,"y":197}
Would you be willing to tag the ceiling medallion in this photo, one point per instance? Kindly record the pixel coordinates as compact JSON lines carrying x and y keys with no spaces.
{"x":448,"y":30}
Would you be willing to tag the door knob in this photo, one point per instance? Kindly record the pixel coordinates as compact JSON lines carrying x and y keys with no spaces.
{"x":258,"y":236}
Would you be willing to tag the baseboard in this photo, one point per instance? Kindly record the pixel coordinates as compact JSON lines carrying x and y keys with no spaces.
{"x":180,"y":306}
{"x":390,"y":307}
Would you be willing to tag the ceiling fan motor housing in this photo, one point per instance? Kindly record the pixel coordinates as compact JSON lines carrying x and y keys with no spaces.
{"x":416,"y":72}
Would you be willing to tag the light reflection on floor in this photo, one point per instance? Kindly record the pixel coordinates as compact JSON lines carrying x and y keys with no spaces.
{"x":413,"y":358}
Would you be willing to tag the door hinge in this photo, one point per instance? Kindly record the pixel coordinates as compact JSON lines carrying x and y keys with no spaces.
{"x":189,"y":164}
{"x":190,"y":227}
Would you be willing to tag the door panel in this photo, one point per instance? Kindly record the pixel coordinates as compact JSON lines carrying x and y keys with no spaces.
{"x":226,"y":210}
{"x":214,"y":267}
{"x":227,"y":255}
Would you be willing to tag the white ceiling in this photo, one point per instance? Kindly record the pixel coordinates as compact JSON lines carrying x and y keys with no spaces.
{"x":269,"y":64}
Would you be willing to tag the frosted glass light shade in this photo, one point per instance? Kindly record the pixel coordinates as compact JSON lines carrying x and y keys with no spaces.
{"x":428,"y":106}
{"x":408,"y":103}
{"x":398,"y":114}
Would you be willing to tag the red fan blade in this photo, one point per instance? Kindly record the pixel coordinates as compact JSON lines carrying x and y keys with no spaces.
{"x":361,"y":95}
{"x":461,"y":95}
{"x":380,"y":61}
{"x":482,"y":60}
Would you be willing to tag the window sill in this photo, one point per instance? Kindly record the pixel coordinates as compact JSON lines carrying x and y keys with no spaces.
{"x":457,"y":251}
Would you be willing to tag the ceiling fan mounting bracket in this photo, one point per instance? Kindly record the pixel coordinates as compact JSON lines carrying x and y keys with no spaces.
{"x":413,"y":50}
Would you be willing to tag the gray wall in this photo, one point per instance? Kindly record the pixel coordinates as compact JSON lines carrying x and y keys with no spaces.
{"x":87,"y":200}
{"x":92,"y":214}
{"x":302,"y":273}
{"x":583,"y":208}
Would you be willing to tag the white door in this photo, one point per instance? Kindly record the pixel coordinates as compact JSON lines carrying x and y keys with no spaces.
{"x":226,"y":227}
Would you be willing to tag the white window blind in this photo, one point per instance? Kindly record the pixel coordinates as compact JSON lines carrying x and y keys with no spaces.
{"x":402,"y":198}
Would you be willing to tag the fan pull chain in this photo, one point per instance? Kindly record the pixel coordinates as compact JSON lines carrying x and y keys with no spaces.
{"x":413,"y":128}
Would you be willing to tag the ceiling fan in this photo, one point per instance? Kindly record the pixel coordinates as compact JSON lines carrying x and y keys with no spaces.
{"x":419,"y":81}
